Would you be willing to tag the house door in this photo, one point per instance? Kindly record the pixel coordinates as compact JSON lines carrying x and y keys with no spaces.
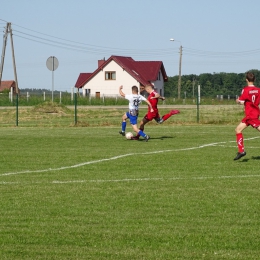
{"x":97,"y":94}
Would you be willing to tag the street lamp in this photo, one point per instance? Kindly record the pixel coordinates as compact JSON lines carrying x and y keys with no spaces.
{"x":179,"y":81}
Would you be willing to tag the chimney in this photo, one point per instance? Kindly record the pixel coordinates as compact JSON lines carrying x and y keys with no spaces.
{"x":100,"y":62}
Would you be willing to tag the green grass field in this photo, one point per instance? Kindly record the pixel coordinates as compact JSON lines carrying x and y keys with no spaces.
{"x":88,"y":193}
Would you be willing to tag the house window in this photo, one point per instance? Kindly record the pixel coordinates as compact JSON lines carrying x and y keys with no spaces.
{"x":110,"y":75}
{"x":159,"y":76}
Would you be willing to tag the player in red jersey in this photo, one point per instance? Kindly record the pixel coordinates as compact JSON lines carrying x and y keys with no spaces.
{"x":153,"y":99}
{"x":250,"y":98}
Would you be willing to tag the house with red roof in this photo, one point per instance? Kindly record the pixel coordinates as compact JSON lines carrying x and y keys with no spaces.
{"x":8,"y":85}
{"x":120,"y":70}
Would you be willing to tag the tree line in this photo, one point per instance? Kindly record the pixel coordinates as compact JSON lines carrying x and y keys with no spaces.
{"x":211,"y":85}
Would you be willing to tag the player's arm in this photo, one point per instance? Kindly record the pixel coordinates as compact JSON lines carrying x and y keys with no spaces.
{"x":240,"y":102}
{"x":242,"y":98}
{"x":149,"y":104}
{"x":162,"y":98}
{"x":157,"y":95}
{"x":121,"y":92}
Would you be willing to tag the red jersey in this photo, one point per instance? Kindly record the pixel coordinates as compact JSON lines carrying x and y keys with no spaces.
{"x":153,"y":101}
{"x":251,"y":96}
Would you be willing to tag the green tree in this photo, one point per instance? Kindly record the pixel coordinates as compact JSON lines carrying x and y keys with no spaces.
{"x":226,"y":84}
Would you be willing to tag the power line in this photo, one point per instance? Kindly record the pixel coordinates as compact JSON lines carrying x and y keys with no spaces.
{"x":70,"y":45}
{"x":77,"y":46}
{"x":96,"y":49}
{"x":216,"y":53}
{"x":90,"y":46}
{"x":88,"y":49}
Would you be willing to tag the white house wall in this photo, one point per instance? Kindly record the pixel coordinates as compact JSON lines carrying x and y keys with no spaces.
{"x":110,"y":87}
{"x":159,"y":85}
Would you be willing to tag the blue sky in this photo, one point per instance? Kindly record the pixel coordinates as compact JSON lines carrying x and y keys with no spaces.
{"x":216,"y":36}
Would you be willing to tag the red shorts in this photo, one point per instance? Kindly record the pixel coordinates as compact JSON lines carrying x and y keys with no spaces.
{"x":152,"y":115}
{"x":254,"y":122}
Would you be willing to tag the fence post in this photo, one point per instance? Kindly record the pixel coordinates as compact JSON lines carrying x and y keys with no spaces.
{"x":75,"y":101}
{"x":17,"y":109}
{"x":198,"y":104}
{"x":11,"y":98}
{"x":60,"y":97}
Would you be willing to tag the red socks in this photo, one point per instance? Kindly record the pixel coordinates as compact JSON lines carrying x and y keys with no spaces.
{"x":240,"y":142}
{"x":165,"y":117}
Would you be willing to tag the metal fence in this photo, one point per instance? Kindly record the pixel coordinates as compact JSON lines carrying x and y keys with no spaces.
{"x":30,"y":109}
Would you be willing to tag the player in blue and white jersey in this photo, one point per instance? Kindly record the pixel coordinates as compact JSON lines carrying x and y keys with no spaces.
{"x":134,"y":100}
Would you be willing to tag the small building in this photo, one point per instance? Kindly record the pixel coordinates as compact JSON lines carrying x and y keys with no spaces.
{"x":119,"y":70}
{"x":8,"y":85}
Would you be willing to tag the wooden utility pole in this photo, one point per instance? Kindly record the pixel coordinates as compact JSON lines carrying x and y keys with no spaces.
{"x":8,"y":29}
{"x":3,"y":53}
{"x":179,"y":81}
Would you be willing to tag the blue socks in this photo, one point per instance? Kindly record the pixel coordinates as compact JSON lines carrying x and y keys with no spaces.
{"x":123,"y":126}
{"x":142,"y":133}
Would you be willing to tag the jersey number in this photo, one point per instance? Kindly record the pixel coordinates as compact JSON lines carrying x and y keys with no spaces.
{"x":136,"y":102}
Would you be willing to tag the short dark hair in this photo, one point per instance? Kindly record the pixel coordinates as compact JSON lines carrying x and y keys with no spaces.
{"x":135,"y":89}
{"x":250,"y":76}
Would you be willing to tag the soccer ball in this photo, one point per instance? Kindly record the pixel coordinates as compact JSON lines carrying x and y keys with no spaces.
{"x":129,"y":135}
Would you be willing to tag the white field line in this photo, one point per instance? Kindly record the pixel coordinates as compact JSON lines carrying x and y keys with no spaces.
{"x":142,"y":179}
{"x":159,"y":179}
{"x":120,"y":156}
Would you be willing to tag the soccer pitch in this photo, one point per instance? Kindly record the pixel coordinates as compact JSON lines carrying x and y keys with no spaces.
{"x":88,"y":193}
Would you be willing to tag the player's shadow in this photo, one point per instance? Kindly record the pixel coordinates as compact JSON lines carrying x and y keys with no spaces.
{"x":244,"y":160}
{"x":157,"y":138}
{"x":255,"y":157}
{"x":161,"y":138}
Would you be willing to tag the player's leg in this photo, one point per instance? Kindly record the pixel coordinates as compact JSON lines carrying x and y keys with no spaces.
{"x":143,"y":122}
{"x":240,"y":140}
{"x":140,"y":132}
{"x":166,"y":116}
{"x":123,"y":124}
